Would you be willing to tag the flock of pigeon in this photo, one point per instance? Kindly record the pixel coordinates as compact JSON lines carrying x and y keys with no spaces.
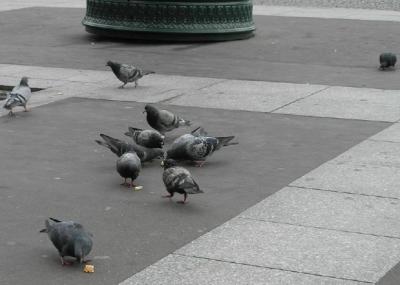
{"x":70,"y":238}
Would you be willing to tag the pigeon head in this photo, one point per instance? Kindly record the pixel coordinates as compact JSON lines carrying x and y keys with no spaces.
{"x":156,"y":153}
{"x":24,"y":81}
{"x":150,"y":110}
{"x":167,"y":163}
{"x":109,"y":63}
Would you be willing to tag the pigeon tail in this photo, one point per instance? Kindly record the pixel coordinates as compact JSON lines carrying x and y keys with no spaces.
{"x":199,"y":132}
{"x":147,"y":72}
{"x":225,"y":141}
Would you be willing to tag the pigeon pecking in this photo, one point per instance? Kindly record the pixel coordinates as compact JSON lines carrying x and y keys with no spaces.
{"x":127,"y":73}
{"x":197,"y":146}
{"x":163,"y":120}
{"x":120,"y":147}
{"x":18,"y":96}
{"x":70,"y":239}
{"x":387,"y":60}
{"x":129,"y":166}
{"x":178,"y":180}
{"x":146,"y":138}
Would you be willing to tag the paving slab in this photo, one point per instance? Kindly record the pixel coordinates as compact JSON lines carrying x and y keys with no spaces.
{"x":330,"y":210}
{"x":349,"y":103}
{"x":391,"y":134}
{"x":327,"y":13}
{"x":285,"y":49}
{"x":309,"y":250}
{"x":185,"y":270}
{"x":246,"y":95}
{"x":370,"y":168}
{"x":49,"y":154}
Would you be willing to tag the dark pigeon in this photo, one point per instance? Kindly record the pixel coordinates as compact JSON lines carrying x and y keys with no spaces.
{"x":129,"y":166}
{"x":146,"y":138}
{"x":18,"y":96}
{"x":178,"y":180}
{"x":127,"y":73}
{"x":387,"y":60}
{"x":197,"y":146}
{"x":70,"y":239}
{"x":120,"y":147}
{"x":163,"y":120}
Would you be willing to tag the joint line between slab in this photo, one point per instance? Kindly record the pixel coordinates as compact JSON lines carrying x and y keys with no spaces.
{"x":273,"y":268}
{"x":299,"y":99}
{"x":344,"y":192}
{"x":316,"y":227}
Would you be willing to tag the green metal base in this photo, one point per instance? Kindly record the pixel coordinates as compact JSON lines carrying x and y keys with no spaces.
{"x":192,"y":20}
{"x":149,"y":36}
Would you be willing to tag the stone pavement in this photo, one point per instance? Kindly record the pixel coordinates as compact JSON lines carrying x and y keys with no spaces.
{"x":338,"y":224}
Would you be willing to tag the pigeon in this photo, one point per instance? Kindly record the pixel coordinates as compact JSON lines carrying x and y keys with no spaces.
{"x":18,"y":96}
{"x":146,"y":138}
{"x":387,"y":60}
{"x":70,"y":239}
{"x":163,"y":120}
{"x":120,"y":147}
{"x":178,"y":180}
{"x":197,"y":146}
{"x":127,"y":73}
{"x":129,"y":166}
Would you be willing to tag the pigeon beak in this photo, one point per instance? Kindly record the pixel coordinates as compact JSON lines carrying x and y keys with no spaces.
{"x":144,"y":111}
{"x":162,"y":163}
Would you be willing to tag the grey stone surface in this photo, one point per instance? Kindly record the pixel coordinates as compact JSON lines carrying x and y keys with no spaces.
{"x":331,"y":210}
{"x":324,"y":252}
{"x":361,"y":4}
{"x":370,"y":168}
{"x":389,"y":134}
{"x":51,"y":166}
{"x":349,"y":103}
{"x":184,"y":270}
{"x":285,"y":49}
{"x":246,"y":95}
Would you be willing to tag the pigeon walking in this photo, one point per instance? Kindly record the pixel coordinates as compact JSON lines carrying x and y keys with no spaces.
{"x":120,"y":147}
{"x":163,"y":120}
{"x":129,"y":166}
{"x":146,"y":138}
{"x":178,"y":180}
{"x":387,"y":60}
{"x":127,"y":73}
{"x":69,"y":238}
{"x":197,"y":146}
{"x":18,"y":96}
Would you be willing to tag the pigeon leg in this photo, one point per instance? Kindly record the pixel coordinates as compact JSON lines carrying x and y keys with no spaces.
{"x":184,"y":199}
{"x":136,"y":84}
{"x":26,"y":109}
{"x":200,"y":163}
{"x":132,"y":185}
{"x":122,"y":86}
{"x":168,"y":196}
{"x":11,"y":113}
{"x":125,"y":183}
{"x":63,"y":262}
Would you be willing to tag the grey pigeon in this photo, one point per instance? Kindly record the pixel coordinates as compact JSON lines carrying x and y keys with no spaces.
{"x":127,"y":73}
{"x":387,"y":60}
{"x":146,"y":138}
{"x":129,"y":166}
{"x":120,"y":147}
{"x":163,"y":120}
{"x":70,"y":239}
{"x":178,"y":180}
{"x":18,"y":96}
{"x":197,"y":146}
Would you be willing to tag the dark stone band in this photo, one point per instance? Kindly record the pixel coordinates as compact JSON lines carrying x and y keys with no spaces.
{"x":168,"y":20}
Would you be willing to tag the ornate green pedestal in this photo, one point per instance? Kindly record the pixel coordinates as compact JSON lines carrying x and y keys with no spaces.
{"x":184,"y":20}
